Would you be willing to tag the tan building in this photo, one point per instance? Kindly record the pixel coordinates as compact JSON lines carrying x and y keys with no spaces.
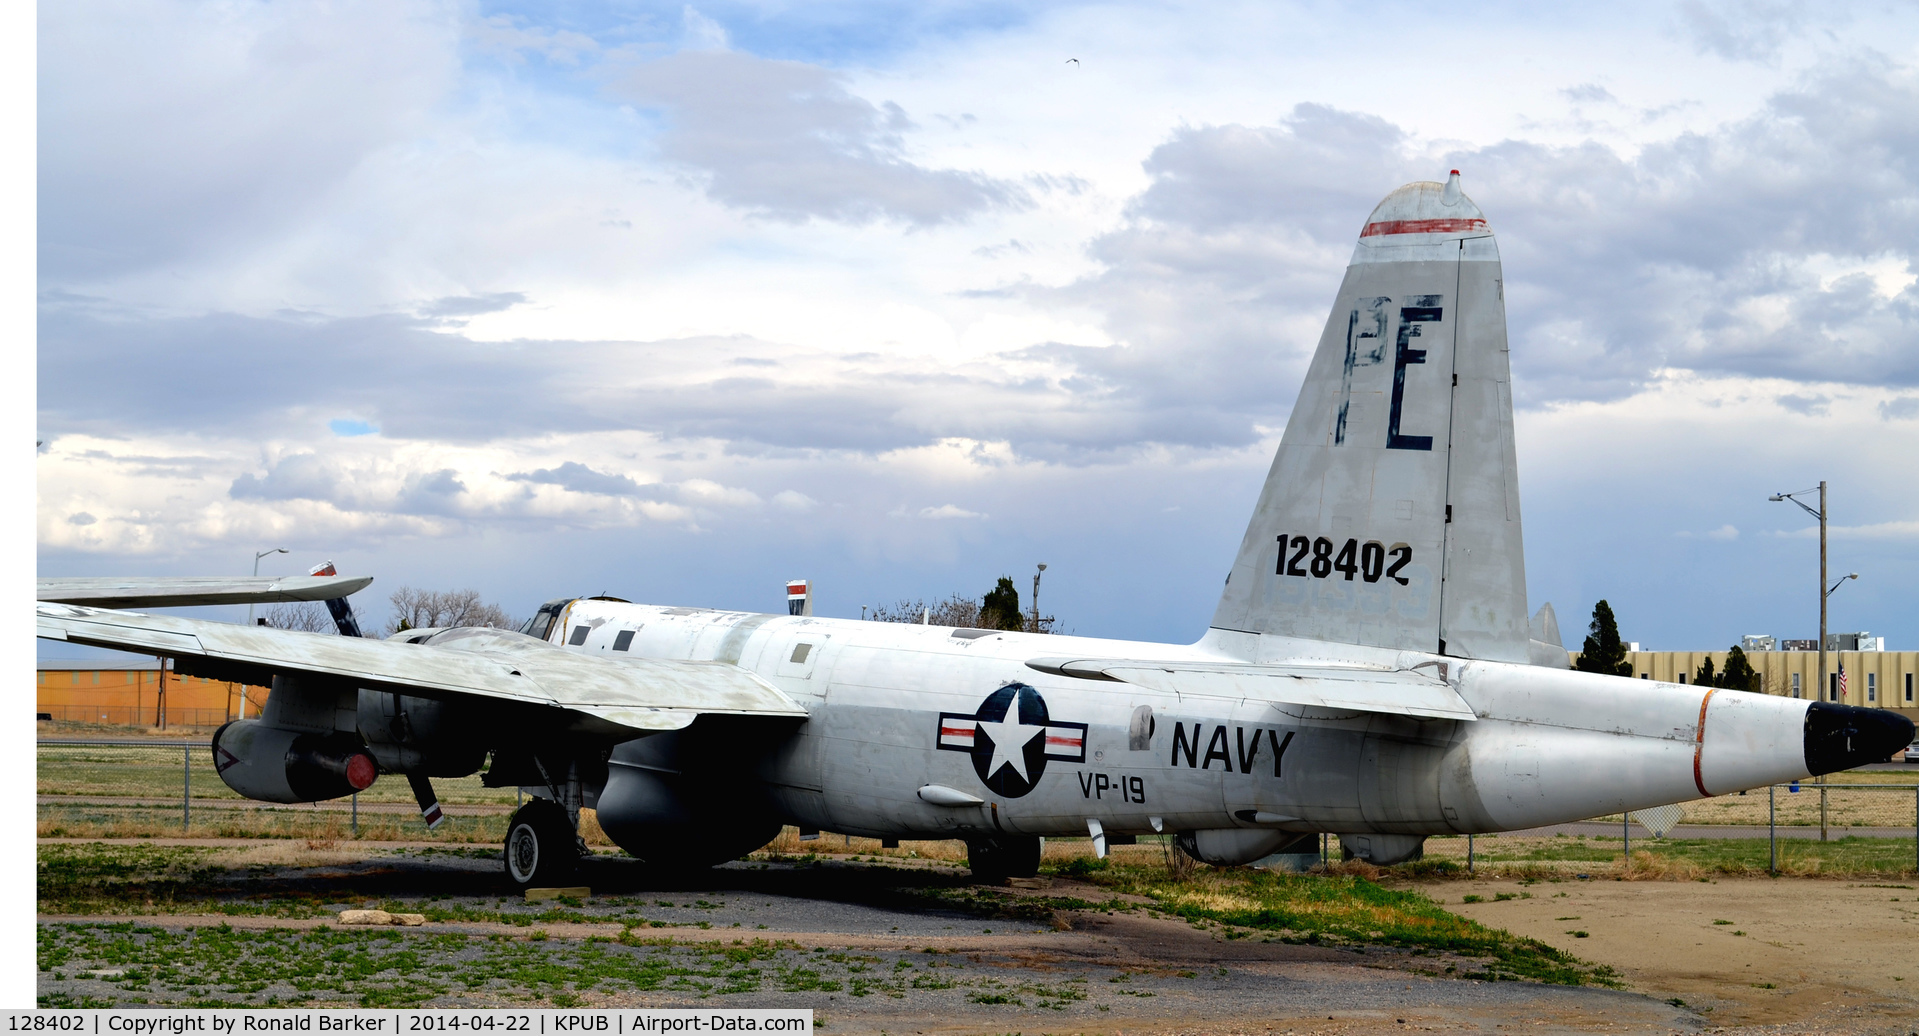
{"x":1880,"y":679}
{"x":131,"y":695}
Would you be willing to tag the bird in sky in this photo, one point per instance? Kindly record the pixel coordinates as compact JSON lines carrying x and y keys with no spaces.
{"x":1072,"y":61}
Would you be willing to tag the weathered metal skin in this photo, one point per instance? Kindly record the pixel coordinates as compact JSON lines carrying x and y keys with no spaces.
{"x":1545,"y":745}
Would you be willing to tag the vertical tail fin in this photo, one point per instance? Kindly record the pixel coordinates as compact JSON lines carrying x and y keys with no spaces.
{"x":1390,"y":517}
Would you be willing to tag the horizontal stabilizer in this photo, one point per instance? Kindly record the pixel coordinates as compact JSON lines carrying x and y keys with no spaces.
{"x":1422,"y":692}
{"x":635,"y":693}
{"x":193,"y":591}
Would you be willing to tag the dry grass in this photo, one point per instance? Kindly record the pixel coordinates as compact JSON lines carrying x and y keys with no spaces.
{"x":291,"y":822}
{"x":834,"y":844}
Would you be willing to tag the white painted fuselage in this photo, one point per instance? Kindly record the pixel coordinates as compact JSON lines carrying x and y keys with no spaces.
{"x":1544,"y":746}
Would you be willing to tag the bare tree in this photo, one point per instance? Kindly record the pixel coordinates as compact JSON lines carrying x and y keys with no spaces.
{"x":964,"y":613}
{"x":308,"y":617}
{"x":954,"y":611}
{"x":414,"y":609}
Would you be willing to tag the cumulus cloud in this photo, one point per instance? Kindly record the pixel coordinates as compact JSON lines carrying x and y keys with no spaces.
{"x":788,"y":140}
{"x":455,"y":307}
{"x":1902,"y":409}
{"x":1705,"y":251}
{"x":1588,"y":93}
{"x":579,"y":478}
{"x":1745,"y":30}
{"x":1810,"y":406}
{"x":945,"y":511}
{"x":188,"y":129}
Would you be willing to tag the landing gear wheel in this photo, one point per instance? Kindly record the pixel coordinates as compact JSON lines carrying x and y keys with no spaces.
{"x":1003,"y":856}
{"x":542,"y":850}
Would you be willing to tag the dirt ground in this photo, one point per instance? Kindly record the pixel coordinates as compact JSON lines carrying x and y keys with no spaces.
{"x":1824,"y":953}
{"x":1798,"y":955}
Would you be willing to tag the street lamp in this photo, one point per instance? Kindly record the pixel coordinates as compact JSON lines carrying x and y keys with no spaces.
{"x":1036,"y":575}
{"x":1824,"y":590}
{"x":256,"y":573}
{"x":284,"y":551}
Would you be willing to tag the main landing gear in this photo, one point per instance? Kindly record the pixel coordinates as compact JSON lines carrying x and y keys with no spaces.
{"x":542,"y":848}
{"x":999,"y":857}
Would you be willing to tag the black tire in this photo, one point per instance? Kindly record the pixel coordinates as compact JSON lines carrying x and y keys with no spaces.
{"x":1003,"y":856}
{"x":542,"y":849}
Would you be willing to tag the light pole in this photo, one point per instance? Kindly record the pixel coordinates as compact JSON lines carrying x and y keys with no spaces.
{"x":1824,"y":592}
{"x":256,"y":573}
{"x":1036,"y":575}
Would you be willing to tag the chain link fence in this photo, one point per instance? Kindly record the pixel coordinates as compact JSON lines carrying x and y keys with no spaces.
{"x":133,"y":715}
{"x":134,"y":788}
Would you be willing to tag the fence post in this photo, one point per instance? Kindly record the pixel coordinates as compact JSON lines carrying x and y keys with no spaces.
{"x":1469,"y":854}
{"x":1625,"y":833}
{"x":1822,"y":807}
{"x":1915,"y":828}
{"x":1772,"y":828}
{"x":186,"y":787}
{"x":356,"y":814}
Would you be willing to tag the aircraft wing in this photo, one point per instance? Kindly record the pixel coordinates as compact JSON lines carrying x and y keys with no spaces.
{"x":181,"y":592}
{"x":1421,"y":692}
{"x":637,"y":693}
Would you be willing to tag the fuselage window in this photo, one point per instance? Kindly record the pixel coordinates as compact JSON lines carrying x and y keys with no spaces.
{"x":623,"y":641}
{"x":800,"y":651}
{"x":579,"y":635}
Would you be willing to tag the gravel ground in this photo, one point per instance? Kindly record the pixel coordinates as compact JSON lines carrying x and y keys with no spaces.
{"x":871,"y":949}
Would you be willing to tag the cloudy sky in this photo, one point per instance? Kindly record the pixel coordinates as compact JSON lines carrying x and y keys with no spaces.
{"x":676,"y":301}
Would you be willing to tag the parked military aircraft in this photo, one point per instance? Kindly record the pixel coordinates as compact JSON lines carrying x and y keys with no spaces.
{"x":1370,"y":671}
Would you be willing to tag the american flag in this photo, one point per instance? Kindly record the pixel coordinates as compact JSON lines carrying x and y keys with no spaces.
{"x":1842,"y":681}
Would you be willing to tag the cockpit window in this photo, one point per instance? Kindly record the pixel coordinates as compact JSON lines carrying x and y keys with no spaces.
{"x":623,"y":641}
{"x":541,"y":624}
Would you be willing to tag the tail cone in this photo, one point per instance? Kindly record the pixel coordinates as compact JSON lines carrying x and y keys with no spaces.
{"x":1840,"y":737}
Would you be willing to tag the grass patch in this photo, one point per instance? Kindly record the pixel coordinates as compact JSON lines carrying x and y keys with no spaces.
{"x":383,"y":968}
{"x":1351,"y":910}
{"x":1678,"y":858}
{"x":62,"y":820}
{"x":82,"y":879}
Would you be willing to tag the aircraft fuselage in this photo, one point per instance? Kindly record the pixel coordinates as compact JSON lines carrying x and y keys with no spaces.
{"x":897,"y":708}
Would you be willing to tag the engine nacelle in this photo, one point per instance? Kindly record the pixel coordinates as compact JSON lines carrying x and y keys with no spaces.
{"x":276,"y":764}
{"x":669,"y":818}
{"x":408,"y":734}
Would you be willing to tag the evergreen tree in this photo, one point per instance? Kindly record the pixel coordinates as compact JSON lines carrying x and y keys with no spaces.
{"x":1704,"y":677}
{"x":1739,"y":674}
{"x":1603,"y":651}
{"x":1000,"y":609}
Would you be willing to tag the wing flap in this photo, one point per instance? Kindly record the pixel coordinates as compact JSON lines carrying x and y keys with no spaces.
{"x":644,"y":694}
{"x":186,"y":591}
{"x":1395,"y":692}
